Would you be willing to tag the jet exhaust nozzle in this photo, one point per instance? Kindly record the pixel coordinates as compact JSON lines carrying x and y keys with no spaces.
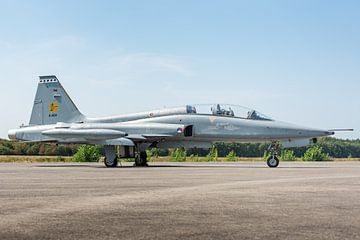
{"x":12,"y":134}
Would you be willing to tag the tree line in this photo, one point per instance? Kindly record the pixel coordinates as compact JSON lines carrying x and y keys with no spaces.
{"x":336,"y":148}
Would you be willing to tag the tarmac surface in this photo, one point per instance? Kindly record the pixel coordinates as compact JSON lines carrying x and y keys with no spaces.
{"x":246,"y":200}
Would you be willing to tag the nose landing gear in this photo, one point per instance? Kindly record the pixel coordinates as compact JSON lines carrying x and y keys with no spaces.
{"x":273,"y":160}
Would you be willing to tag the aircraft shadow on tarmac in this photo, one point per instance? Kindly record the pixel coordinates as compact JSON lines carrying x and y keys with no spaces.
{"x":173,"y":166}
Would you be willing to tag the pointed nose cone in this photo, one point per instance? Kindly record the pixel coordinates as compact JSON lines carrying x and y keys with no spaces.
{"x":317,"y":132}
{"x":303,"y":132}
{"x":12,"y":134}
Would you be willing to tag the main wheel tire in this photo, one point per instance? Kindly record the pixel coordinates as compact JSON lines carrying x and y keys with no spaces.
{"x":141,"y":160}
{"x":111,"y":163}
{"x":272,"y":161}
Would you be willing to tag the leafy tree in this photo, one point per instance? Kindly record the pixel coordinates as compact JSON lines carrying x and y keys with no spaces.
{"x":87,"y":153}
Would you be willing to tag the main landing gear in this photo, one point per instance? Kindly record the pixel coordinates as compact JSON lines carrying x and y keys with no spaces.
{"x":140,"y":159}
{"x":273,"y":160}
{"x":111,"y":159}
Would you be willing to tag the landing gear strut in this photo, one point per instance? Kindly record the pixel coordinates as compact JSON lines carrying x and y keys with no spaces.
{"x":273,"y":160}
{"x":111,"y":159}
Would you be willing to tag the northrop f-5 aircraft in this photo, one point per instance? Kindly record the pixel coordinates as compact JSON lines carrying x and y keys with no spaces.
{"x":55,"y":118}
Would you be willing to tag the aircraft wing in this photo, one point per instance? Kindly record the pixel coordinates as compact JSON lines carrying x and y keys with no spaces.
{"x":112,"y":134}
{"x":130,"y":139}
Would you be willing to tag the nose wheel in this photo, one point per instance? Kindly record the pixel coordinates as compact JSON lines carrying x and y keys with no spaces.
{"x":272,"y":161}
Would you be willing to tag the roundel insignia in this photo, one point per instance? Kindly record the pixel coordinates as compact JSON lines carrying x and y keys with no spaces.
{"x":179,"y":130}
{"x":53,"y":107}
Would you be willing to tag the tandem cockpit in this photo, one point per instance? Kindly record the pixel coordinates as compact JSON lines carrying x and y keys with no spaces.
{"x":227,"y":110}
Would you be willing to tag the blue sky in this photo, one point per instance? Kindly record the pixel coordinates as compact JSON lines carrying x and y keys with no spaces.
{"x":297,"y":61}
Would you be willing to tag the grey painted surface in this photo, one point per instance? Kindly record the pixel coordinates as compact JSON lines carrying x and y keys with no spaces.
{"x":56,"y":118}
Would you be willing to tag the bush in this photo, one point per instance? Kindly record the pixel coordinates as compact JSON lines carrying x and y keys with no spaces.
{"x":231,"y":156}
{"x":33,"y":150}
{"x":50,"y":150}
{"x":212,"y":155}
{"x":152,"y":153}
{"x":179,"y":155}
{"x":266,"y":154}
{"x":287,"y":155}
{"x":63,"y":151}
{"x":315,"y":153}
{"x":20,"y":148}
{"x":5,"y":150}
{"x":87,"y":153}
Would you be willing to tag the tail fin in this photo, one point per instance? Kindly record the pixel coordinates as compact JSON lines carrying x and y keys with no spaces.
{"x":52,"y":104}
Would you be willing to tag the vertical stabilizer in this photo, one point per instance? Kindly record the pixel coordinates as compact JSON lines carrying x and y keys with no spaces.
{"x":52,"y":104}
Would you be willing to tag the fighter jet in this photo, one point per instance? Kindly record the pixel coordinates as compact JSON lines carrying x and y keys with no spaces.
{"x":55,"y":118}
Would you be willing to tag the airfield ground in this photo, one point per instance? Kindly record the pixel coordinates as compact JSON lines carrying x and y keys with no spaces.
{"x":245,"y":200}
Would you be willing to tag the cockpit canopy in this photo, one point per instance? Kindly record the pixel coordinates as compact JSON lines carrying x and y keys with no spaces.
{"x":227,"y":110}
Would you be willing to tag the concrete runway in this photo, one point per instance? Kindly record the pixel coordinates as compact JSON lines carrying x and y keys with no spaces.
{"x":180,"y":201}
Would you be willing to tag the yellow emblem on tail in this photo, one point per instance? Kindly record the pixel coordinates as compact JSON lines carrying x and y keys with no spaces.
{"x":53,"y":107}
